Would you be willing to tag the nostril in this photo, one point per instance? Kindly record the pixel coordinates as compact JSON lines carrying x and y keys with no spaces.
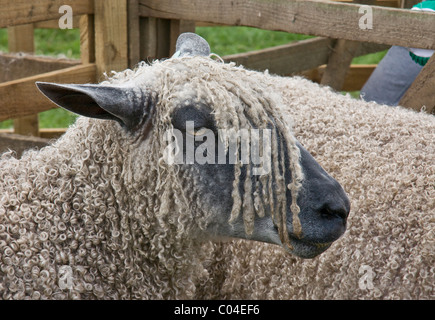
{"x":328,"y":211}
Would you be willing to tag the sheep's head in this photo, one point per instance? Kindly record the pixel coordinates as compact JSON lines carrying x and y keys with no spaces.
{"x":217,"y":130}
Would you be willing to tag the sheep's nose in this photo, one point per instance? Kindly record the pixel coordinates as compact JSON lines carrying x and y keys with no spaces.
{"x":326,"y":203}
{"x":325,"y":194}
{"x":334,"y":209}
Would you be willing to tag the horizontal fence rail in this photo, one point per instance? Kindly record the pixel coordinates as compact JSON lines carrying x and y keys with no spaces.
{"x":327,"y":19}
{"x":19,"y":12}
{"x":22,"y":97}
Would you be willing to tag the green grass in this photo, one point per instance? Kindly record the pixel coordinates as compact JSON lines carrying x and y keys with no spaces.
{"x":51,"y":42}
{"x":3,"y":40}
{"x":372,"y":58}
{"x":222,"y":40}
{"x":230,"y":40}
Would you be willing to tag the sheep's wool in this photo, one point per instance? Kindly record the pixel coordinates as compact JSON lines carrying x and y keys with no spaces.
{"x":83,"y":218}
{"x":99,"y":214}
{"x":384,"y":157}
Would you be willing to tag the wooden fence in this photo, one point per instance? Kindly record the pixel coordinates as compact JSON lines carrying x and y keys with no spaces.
{"x":117,"y":34}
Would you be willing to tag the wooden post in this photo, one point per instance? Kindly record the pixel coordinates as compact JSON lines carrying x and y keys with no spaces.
{"x":133,"y":33}
{"x":339,"y":63}
{"x":408,"y":3}
{"x":111,"y":36}
{"x":87,"y":39}
{"x":148,"y":39}
{"x":20,"y":39}
{"x":421,"y":92}
{"x":159,"y":36}
{"x":163,"y":36}
{"x":154,"y":38}
{"x":178,"y":27}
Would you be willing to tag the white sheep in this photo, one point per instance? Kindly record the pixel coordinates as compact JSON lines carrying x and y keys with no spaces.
{"x":384,"y":157}
{"x":104,"y":213}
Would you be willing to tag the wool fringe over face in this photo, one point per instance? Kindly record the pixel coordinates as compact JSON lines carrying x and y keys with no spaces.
{"x":235,"y":107}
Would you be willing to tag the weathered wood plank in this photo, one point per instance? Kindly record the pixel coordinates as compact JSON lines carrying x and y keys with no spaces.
{"x":51,"y":133}
{"x":329,"y":19}
{"x":155,"y":38}
{"x":178,"y":27}
{"x":356,"y":75}
{"x":44,"y":133}
{"x":27,"y":125}
{"x":148,"y":38}
{"x":15,"y":66}
{"x":288,"y":58}
{"x":111,"y":35}
{"x":54,"y":24}
{"x":338,"y":63}
{"x":21,"y":39}
{"x":296,"y":56}
{"x":133,"y":33}
{"x":87,"y":39}
{"x":18,"y":12}
{"x":370,"y":47}
{"x":382,"y":3}
{"x":21,"y":97}
{"x":421,"y":93}
{"x":408,"y":3}
{"x":19,"y":143}
{"x":163,"y":38}
{"x":111,"y":44}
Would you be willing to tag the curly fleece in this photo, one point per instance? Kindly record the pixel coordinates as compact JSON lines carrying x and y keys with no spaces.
{"x":81,"y":203}
{"x":384,"y":157}
{"x":102,"y":201}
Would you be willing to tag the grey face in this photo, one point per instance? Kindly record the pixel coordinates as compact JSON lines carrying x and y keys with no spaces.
{"x":323,"y":203}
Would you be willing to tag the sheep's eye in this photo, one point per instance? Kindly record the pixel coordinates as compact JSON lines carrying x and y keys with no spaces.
{"x":194,"y":120}
{"x":198,"y":132}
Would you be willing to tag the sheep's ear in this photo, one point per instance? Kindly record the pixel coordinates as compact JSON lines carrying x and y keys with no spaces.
{"x":123,"y":104}
{"x":191,"y":44}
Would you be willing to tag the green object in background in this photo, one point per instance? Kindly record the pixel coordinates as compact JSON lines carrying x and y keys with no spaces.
{"x":422,"y":56}
{"x":428,"y":5}
{"x":420,"y":60}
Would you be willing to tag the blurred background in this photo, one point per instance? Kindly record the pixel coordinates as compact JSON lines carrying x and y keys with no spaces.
{"x":223,"y":41}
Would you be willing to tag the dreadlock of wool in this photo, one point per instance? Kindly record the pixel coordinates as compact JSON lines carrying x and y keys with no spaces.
{"x":256,"y":112}
{"x":259,"y":112}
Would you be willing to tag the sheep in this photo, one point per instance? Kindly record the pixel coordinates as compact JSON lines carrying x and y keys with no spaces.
{"x":105,"y":212}
{"x":384,"y":157}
